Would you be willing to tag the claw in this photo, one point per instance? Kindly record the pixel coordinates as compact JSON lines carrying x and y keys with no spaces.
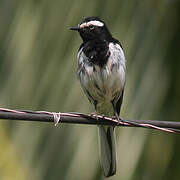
{"x":94,"y":115}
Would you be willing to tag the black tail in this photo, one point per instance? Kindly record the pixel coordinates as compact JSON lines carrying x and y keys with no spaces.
{"x":107,"y":142}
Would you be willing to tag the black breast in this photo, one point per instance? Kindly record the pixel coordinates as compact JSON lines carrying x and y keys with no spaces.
{"x":97,"y":51}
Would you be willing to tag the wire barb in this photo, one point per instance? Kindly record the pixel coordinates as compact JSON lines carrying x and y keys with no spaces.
{"x":57,"y":117}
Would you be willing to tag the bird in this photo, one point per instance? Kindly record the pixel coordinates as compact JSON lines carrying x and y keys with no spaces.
{"x":101,"y":69}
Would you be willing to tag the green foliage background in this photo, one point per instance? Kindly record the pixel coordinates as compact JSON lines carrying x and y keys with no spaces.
{"x":38,"y":72}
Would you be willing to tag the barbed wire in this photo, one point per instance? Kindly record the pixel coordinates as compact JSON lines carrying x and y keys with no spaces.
{"x":80,"y":118}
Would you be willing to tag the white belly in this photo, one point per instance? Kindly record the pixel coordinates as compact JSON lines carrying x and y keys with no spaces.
{"x":104,"y":83}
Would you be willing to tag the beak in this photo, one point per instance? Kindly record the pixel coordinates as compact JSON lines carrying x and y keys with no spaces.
{"x":76,"y":28}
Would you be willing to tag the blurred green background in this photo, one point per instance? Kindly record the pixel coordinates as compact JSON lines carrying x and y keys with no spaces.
{"x":38,"y":72}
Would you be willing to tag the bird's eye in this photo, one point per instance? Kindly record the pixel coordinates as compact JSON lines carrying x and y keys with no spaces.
{"x":91,"y":27}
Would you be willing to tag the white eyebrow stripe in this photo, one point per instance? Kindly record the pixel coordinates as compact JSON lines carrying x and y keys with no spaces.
{"x":94,"y":23}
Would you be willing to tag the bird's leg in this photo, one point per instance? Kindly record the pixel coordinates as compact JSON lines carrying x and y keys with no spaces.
{"x":116,"y":114}
{"x":116,"y":117}
{"x":94,"y":114}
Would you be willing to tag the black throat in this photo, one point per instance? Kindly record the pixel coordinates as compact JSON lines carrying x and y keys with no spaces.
{"x":97,"y":51}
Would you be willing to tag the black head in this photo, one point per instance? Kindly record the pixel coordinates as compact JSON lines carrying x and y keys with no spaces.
{"x":92,"y":28}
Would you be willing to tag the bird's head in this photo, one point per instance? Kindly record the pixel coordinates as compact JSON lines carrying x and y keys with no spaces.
{"x":92,"y":28}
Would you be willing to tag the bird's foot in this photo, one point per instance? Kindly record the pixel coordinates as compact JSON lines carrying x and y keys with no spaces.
{"x":93,"y":114}
{"x":118,"y":119}
{"x":96,"y":116}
